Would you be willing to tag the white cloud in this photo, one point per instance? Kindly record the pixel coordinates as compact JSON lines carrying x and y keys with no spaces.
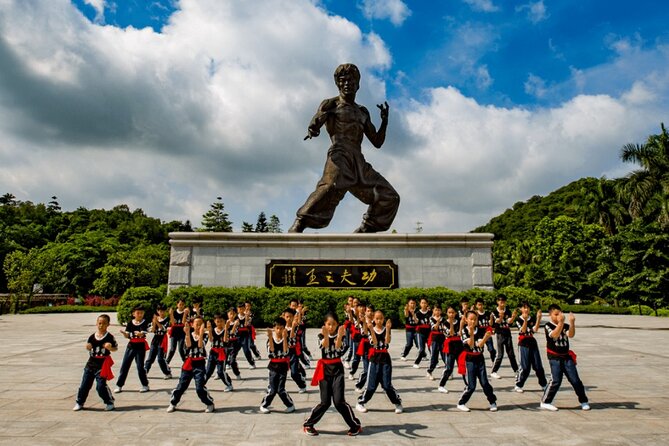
{"x":394,"y":10}
{"x":99,"y":6}
{"x":482,"y":5}
{"x":535,"y":86}
{"x":218,"y":103}
{"x":536,"y":11}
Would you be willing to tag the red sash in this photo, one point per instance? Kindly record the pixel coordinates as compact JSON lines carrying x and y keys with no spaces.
{"x":253,"y":332}
{"x":163,"y":344}
{"x":373,"y":351}
{"x":106,"y":371}
{"x":221,"y":353}
{"x":140,"y":341}
{"x":447,"y":343}
{"x":429,"y":338}
{"x":188,"y":363}
{"x":424,"y":326}
{"x":409,"y":327}
{"x":462,"y":361}
{"x":285,"y":360}
{"x":489,"y":329}
{"x":319,"y":373}
{"x":570,"y":354}
{"x":361,"y":346}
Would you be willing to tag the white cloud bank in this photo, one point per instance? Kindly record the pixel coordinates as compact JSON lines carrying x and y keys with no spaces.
{"x":218,"y":103}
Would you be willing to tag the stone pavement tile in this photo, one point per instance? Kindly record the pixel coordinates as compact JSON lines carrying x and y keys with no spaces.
{"x":24,"y":428}
{"x":50,"y":441}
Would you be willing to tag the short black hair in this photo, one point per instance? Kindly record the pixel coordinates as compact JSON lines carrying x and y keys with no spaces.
{"x":464,"y":299}
{"x":105,"y":317}
{"x":552,"y":307}
{"x":161,"y":307}
{"x":233,"y":309}
{"x":139,"y":307}
{"x":478,"y":300}
{"x":218,"y":316}
{"x":289,"y":310}
{"x":281,"y":322}
{"x":524,"y":304}
{"x":501,"y":297}
{"x":331,"y":315}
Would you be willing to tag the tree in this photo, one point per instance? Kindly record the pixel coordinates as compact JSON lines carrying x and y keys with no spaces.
{"x":274,"y":224}
{"x":261,"y":224}
{"x":648,"y":188}
{"x":216,"y":219}
{"x":601,"y":205}
{"x":145,"y":265}
{"x":247,"y":227}
{"x":8,"y":199}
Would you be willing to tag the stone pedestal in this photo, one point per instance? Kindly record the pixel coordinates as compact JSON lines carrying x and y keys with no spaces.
{"x":458,"y":261}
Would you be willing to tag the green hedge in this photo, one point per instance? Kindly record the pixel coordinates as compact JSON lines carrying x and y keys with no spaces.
{"x":595,"y":309}
{"x":269,"y":303}
{"x":69,"y":309}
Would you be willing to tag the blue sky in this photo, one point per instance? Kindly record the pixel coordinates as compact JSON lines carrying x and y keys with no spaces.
{"x":165,"y":105}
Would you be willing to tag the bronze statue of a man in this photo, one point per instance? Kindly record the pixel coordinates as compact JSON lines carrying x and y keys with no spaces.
{"x":345,"y":168}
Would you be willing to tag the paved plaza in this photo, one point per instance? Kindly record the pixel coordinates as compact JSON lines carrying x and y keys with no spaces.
{"x":623,"y":362}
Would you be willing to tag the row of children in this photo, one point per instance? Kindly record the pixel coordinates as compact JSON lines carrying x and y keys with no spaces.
{"x":369,"y":339}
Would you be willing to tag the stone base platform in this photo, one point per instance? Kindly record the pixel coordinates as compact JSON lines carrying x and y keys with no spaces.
{"x":458,"y":261}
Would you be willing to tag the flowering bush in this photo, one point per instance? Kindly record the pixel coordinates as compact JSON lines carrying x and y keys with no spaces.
{"x":99,"y":301}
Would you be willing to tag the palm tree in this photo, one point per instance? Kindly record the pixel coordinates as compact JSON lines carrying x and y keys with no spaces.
{"x":647,"y":189}
{"x":602,"y":205}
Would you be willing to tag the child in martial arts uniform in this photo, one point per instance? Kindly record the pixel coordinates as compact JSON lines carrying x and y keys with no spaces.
{"x":159,"y":326}
{"x":135,"y":331}
{"x":232,"y":347}
{"x":244,"y":334}
{"x":297,"y":372}
{"x":365,"y":314}
{"x":528,"y":348}
{"x":561,"y":359}
{"x":439,"y":329}
{"x":277,"y":348}
{"x":98,"y":367}
{"x":350,"y":316}
{"x":452,"y":347}
{"x":472,"y":362}
{"x":178,"y":318}
{"x":219,"y":339}
{"x":329,"y":377}
{"x":423,"y":330}
{"x":194,"y":367}
{"x":486,"y":320}
{"x":503,"y":319}
{"x":253,"y":347}
{"x":410,"y":324}
{"x":380,"y":365}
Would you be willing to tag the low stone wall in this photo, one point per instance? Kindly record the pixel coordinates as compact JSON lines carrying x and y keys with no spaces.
{"x":458,"y":261}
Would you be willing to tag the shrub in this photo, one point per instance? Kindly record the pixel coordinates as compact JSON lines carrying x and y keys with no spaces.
{"x":145,"y":296}
{"x":69,"y":309}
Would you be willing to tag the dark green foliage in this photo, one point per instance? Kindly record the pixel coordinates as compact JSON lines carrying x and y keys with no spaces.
{"x":147,"y":297}
{"x":69,"y":309}
{"x":216,"y":219}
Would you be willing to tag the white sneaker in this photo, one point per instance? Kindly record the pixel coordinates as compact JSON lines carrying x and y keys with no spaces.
{"x":118,"y":390}
{"x":228,"y":389}
{"x":416,"y":366}
{"x":290,"y":409}
{"x":548,"y":406}
{"x":351,"y":376}
{"x":210,"y":408}
{"x":402,"y":358}
{"x":144,"y":389}
{"x":168,"y":376}
{"x":307,"y":366}
{"x":252,"y":366}
{"x":239,"y":377}
{"x":518,"y":389}
{"x":264,"y":409}
{"x":463,"y":408}
{"x":77,"y":407}
{"x":429,"y":376}
{"x":302,"y":390}
{"x":171,"y":408}
{"x":399,"y":408}
{"x":442,"y":389}
{"x":585,"y":406}
{"x":359,"y":389}
{"x":360,"y":408}
{"x":493,"y":407}
{"x":109,"y":407}
{"x":347,"y":365}
{"x":495,"y":375}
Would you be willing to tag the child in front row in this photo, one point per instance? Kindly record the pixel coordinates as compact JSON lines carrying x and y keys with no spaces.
{"x":380,"y":365}
{"x":329,"y":377}
{"x":297,"y":372}
{"x":561,"y":359}
{"x":528,"y":348}
{"x":218,"y":336}
{"x":277,"y":348}
{"x":502,"y":321}
{"x":98,"y":367}
{"x":135,"y":331}
{"x":439,"y":329}
{"x":472,"y":362}
{"x":193,"y":367}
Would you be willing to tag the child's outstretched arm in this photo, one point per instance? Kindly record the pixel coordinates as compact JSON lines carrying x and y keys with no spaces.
{"x":572,"y":325}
